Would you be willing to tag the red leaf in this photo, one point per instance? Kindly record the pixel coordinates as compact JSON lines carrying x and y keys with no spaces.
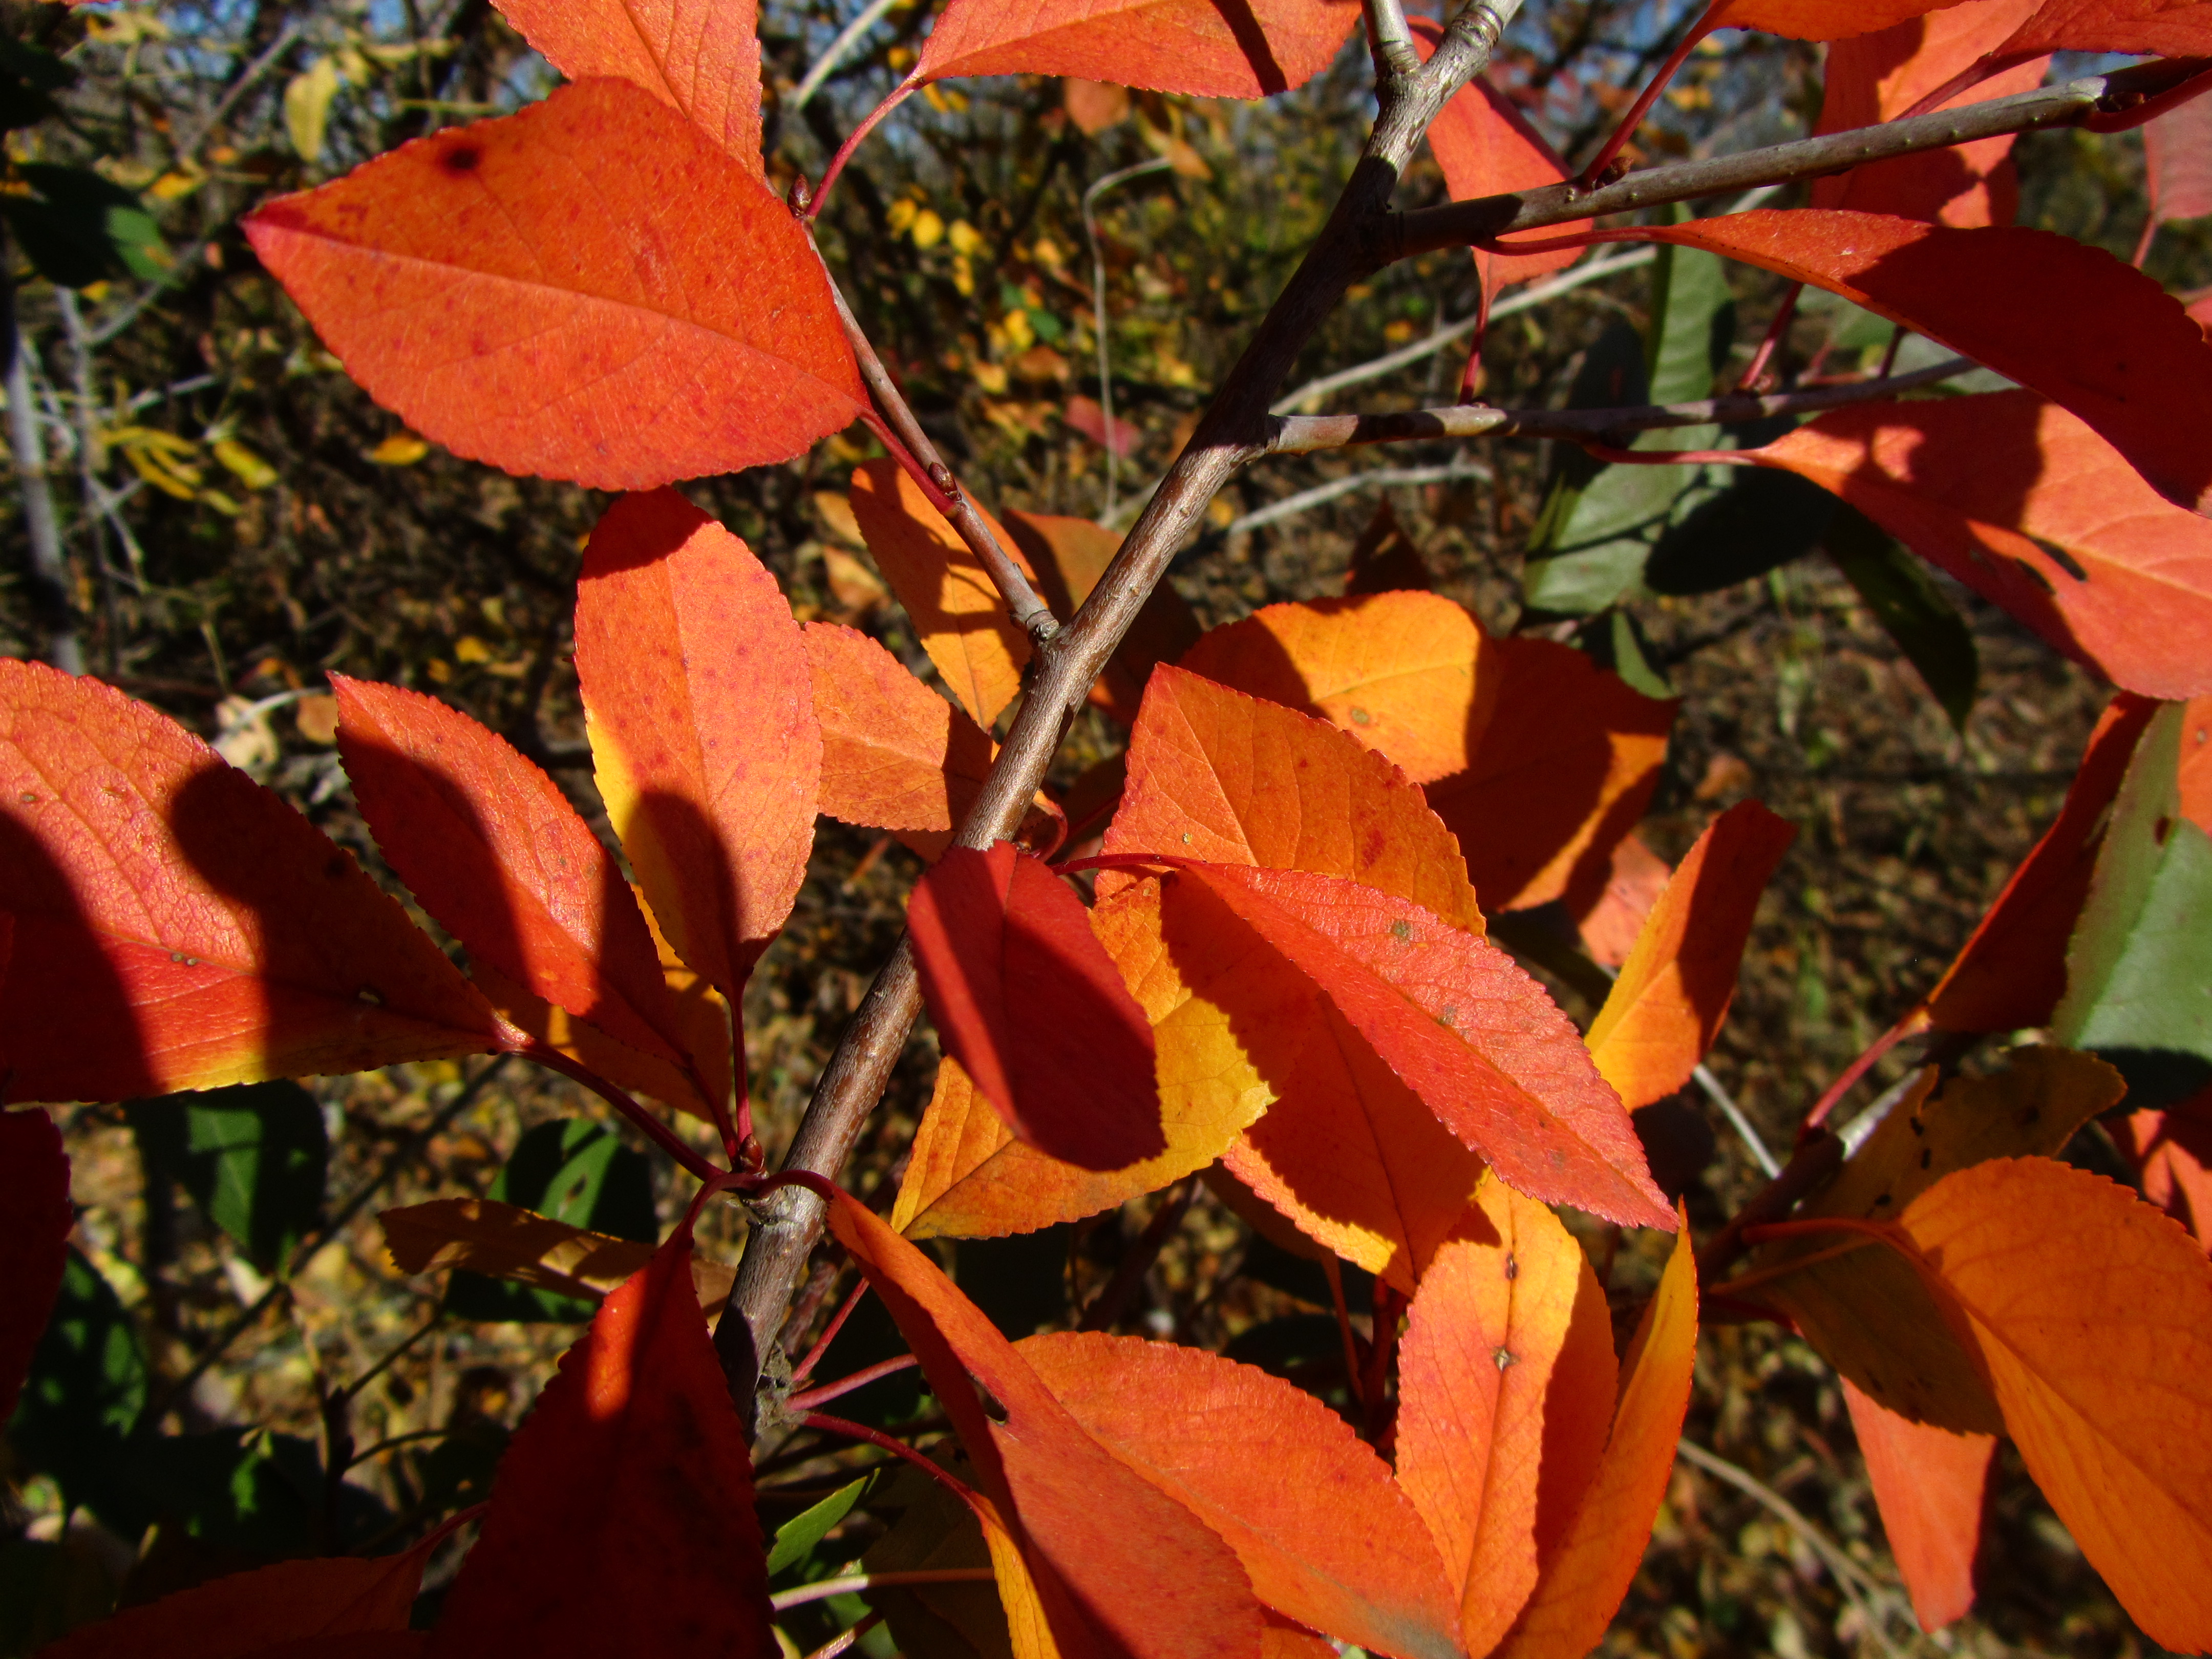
{"x":587,"y":290}
{"x":2010,"y":975}
{"x":1819,"y":20}
{"x":2169,"y":29}
{"x":1463,"y":1027}
{"x":345,"y":1608}
{"x":1311,"y":1512}
{"x":2129,"y":362}
{"x":1121,"y":1570}
{"x":1667,"y":1006}
{"x":2178,"y":161}
{"x":1930,"y":1484}
{"x":2173,"y":1155}
{"x":1088,"y":417}
{"x":493,"y":849}
{"x":621,"y":1518}
{"x":1033,"y":1008}
{"x":188,"y":927}
{"x":702,"y":727}
{"x":1247,"y":51}
{"x":35,"y":1219}
{"x":2031,"y":508}
{"x":702,"y":59}
{"x":1877,"y":77}
{"x":1487,"y":148}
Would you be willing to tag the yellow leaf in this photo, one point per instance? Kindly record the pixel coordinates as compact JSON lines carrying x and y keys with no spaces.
{"x":308,"y":97}
{"x":248,"y":468}
{"x":470,"y":649}
{"x":400,"y":449}
{"x":506,"y":1241}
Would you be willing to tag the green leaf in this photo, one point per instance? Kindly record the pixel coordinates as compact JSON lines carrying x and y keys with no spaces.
{"x":1614,"y":642}
{"x":27,"y":75}
{"x":796,"y":1538}
{"x":574,"y":1171}
{"x":2139,"y":965}
{"x":84,"y":1399}
{"x":252,"y":1491}
{"x":78,"y":228}
{"x":253,"y":1158}
{"x":1905,"y":600}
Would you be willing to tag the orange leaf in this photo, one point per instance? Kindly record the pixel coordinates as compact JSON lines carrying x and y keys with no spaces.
{"x":1262,"y":46}
{"x":35,"y":1222}
{"x":1931,"y":1486}
{"x":2196,"y":768}
{"x":1032,"y":1007}
{"x":2093,"y":1314}
{"x":1563,"y":768}
{"x":2011,"y":973}
{"x":2134,"y":366}
{"x":703,"y":60}
{"x":1119,"y":1568}
{"x":2061,"y":531}
{"x":493,"y":849}
{"x":2173,"y":1155}
{"x":1411,"y":676}
{"x":1218,"y":775}
{"x":1873,"y":78}
{"x":336,"y":1604}
{"x":504,"y":1240}
{"x":2178,"y":161}
{"x":617,"y":1062}
{"x":968,"y":1176}
{"x":622,"y":1516}
{"x":1463,"y":1027}
{"x":1667,"y":1006}
{"x":1485,"y":148}
{"x":1636,"y":878}
{"x":1602,"y":1546}
{"x":1505,"y":1382}
{"x":701,"y":722}
{"x":553,"y":292}
{"x":190,"y":928}
{"x":1819,"y":20}
{"x":2170,"y":28}
{"x":956,"y":612}
{"x":1312,"y":1513}
{"x":1069,"y":556}
{"x":894,"y":755}
{"x":1385,"y":559}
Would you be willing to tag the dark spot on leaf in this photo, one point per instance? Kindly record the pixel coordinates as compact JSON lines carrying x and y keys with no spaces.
{"x":2059,"y":556}
{"x":1361,"y":717}
{"x":1402,"y":930}
{"x":992,"y":1408}
{"x":2031,"y":1117}
{"x":1918,"y":1127}
{"x":1512,"y":1266}
{"x":1884,"y":1201}
{"x":1505,"y":1357}
{"x":2161,"y":830}
{"x":1927,"y":1155}
{"x":29,"y":798}
{"x":462,"y":158}
{"x":371,"y":995}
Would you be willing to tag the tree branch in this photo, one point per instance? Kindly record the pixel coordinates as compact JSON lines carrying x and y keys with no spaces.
{"x":1389,"y":40}
{"x":1457,"y":224}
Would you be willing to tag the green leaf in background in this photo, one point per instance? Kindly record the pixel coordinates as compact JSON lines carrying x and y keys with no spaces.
{"x":575,"y":1171}
{"x":1737,"y":524}
{"x":253,"y":1158}
{"x":78,"y":228}
{"x":1613,"y":640}
{"x":252,"y":1492}
{"x":85,"y":1395}
{"x":2139,"y":965}
{"x":1915,"y":612}
{"x":796,"y":1538}
{"x":27,"y":75}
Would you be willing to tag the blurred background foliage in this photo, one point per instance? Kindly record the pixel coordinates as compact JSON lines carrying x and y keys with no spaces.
{"x":207,"y":512}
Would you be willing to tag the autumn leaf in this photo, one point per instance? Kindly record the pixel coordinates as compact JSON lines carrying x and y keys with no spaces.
{"x":1635,"y":878}
{"x":502,"y":1241}
{"x":1218,"y":775}
{"x":966,"y":1176}
{"x":493,"y":849}
{"x":1817,"y":20}
{"x":1460,"y":1025}
{"x":1026,"y":1000}
{"x":1601,"y":1547}
{"x":1118,"y":1570}
{"x":2178,"y":165}
{"x":1262,"y":46}
{"x":2133,"y":366}
{"x":2010,"y":975}
{"x":1410,"y":675}
{"x":894,"y":755}
{"x":1506,"y":1380}
{"x":703,"y":60}
{"x":340,"y":1606}
{"x":2034,"y":511}
{"x":1931,"y":1486}
{"x":955,"y":608}
{"x":2093,"y":1314}
{"x":2172,"y":1152}
{"x":1486,"y":147}
{"x":1563,"y":769}
{"x":190,"y":928}
{"x":35,"y":1222}
{"x":1068,"y":556}
{"x":1877,"y":77}
{"x":1668,"y":1005}
{"x":1385,"y":559}
{"x":1314,"y":1516}
{"x":552,"y":292}
{"x":2168,"y":29}
{"x":1899,"y":1338}
{"x":622,"y":1516}
{"x":702,"y":721}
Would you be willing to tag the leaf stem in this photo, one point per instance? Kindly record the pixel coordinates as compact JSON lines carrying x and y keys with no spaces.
{"x":852,"y":1430}
{"x":845,"y":1385}
{"x":805,"y":1368}
{"x":899,"y":94}
{"x":644,"y":1122}
{"x":866,"y":1581}
{"x":1629,"y":123}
